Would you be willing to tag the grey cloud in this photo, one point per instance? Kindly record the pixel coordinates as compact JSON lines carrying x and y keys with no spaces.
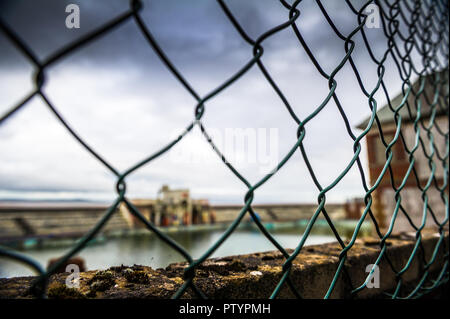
{"x":125,"y":103}
{"x":191,"y":31}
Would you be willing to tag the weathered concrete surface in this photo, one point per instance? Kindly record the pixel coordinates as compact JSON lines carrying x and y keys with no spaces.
{"x":250,"y":276}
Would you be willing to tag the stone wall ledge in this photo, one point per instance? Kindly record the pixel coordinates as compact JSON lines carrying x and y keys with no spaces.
{"x":254,"y":275}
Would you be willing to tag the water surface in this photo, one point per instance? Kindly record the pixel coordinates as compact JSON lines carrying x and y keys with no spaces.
{"x":150,"y":251}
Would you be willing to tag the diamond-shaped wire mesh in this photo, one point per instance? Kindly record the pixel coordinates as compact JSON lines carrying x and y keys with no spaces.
{"x":407,"y":25}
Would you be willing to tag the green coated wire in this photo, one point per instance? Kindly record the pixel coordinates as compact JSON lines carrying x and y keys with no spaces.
{"x":409,"y":26}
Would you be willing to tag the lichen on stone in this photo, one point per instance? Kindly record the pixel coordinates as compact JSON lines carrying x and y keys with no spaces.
{"x":58,"y":290}
{"x":136,"y":276}
{"x":268,"y":268}
{"x":102,"y":280}
{"x":237,"y":265}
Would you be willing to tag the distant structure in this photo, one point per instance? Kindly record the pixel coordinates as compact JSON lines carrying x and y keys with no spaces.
{"x":411,"y":195}
{"x":172,"y":207}
{"x":176,"y":206}
{"x":354,"y":208}
{"x":43,"y":221}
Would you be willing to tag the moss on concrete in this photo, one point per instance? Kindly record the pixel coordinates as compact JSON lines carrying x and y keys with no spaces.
{"x":101,"y":281}
{"x":58,"y":290}
{"x":136,"y":276}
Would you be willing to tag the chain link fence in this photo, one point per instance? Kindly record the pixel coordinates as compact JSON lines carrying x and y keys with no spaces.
{"x":408,"y":26}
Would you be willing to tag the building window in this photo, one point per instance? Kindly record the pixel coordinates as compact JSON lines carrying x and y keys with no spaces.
{"x":380,"y":150}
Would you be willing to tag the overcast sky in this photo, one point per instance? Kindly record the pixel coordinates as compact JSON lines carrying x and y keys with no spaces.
{"x":120,"y":98}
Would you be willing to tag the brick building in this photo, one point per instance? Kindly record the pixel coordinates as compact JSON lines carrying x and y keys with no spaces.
{"x":172,"y":207}
{"x":411,"y":196}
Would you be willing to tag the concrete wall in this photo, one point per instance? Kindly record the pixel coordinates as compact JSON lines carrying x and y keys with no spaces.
{"x":256,"y":275}
{"x":413,"y":204}
{"x":274,"y":212}
{"x":55,"y":220}
{"x":439,"y":141}
{"x":412,"y":200}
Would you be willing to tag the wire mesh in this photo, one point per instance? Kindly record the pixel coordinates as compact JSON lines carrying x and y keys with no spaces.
{"x":407,"y":26}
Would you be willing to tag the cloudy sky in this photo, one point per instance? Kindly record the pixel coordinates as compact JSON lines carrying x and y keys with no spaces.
{"x":121,"y":99}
